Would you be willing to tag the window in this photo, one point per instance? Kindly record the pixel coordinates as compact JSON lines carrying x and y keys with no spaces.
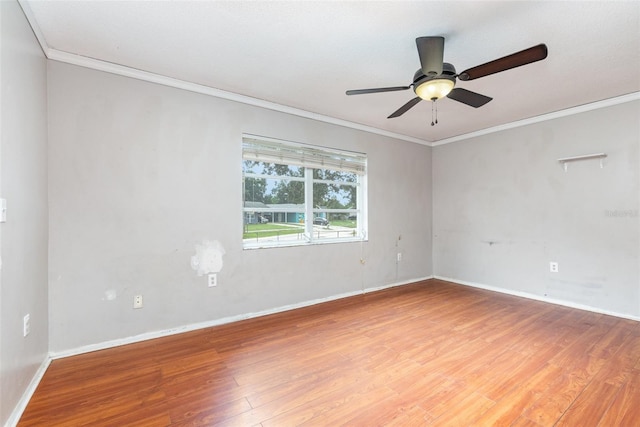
{"x":296,"y":194}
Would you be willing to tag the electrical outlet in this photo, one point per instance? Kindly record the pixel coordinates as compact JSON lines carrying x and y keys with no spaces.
{"x":26,"y":325}
{"x":553,"y":267}
{"x":137,"y":301}
{"x":399,"y":256}
{"x":213,"y":280}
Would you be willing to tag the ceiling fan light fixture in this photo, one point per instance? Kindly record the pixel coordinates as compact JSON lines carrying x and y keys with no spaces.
{"x":434,"y":89}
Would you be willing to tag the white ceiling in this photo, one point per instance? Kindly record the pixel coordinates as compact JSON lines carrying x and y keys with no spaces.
{"x":305,"y":54}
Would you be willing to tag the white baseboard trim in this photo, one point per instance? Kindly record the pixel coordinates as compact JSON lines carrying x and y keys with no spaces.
{"x":215,"y":322}
{"x":539,"y":298}
{"x":28,"y":393}
{"x":395,"y":284}
{"x":35,"y":381}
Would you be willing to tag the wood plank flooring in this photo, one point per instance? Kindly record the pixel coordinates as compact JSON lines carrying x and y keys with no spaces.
{"x":431,"y":353}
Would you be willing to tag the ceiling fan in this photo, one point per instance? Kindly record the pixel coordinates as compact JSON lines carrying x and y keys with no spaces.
{"x":436,"y":79}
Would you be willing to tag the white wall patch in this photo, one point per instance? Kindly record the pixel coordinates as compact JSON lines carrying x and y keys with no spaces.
{"x":208,"y":257}
{"x":110,"y":294}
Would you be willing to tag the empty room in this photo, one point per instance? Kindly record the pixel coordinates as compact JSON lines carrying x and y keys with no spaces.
{"x":319,"y":213}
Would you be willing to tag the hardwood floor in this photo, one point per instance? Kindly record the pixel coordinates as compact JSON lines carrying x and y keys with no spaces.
{"x":431,"y":353}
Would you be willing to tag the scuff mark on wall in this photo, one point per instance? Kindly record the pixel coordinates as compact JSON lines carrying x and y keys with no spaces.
{"x":498,"y":242}
{"x":208,"y":257}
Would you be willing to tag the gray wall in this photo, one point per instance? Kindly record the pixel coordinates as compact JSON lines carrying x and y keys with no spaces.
{"x":504,"y":208}
{"x":139,"y":174}
{"x":23,"y":182}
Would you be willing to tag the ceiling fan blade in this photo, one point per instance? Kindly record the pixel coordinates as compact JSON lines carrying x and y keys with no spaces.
{"x":467,"y":97}
{"x":431,"y":52}
{"x":524,"y":57}
{"x":406,"y":107}
{"x":376,"y":90}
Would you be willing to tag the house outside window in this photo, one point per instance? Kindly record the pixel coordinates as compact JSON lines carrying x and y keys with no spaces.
{"x":298,"y":194}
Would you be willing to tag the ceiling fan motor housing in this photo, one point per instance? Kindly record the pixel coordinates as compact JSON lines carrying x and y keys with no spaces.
{"x":448,"y":72}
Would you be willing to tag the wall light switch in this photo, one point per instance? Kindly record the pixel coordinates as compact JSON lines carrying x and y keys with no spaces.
{"x":553,"y":267}
{"x":26,"y":325}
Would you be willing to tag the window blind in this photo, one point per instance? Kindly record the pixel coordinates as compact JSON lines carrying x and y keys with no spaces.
{"x":271,"y":151}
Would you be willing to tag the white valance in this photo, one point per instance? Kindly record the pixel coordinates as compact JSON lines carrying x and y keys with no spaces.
{"x":272,"y":151}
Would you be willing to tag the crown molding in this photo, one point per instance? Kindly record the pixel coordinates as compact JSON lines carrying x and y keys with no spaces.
{"x":109,"y":67}
{"x":28,"y":13}
{"x":121,"y":70}
{"x":634,"y":96}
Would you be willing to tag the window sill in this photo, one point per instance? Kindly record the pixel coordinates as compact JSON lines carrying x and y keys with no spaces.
{"x":269,"y":245}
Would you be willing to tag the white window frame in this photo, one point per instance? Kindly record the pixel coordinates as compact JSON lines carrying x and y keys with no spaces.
{"x":270,"y":150}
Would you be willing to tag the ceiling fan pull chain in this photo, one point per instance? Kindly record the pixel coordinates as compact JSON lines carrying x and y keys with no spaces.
{"x":432,"y":102}
{"x":434,"y":107}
